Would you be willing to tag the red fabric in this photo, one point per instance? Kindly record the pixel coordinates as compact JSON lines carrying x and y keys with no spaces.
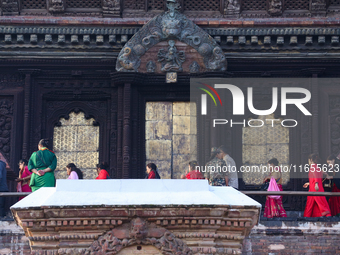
{"x":316,"y":206}
{"x":274,"y":207}
{"x":334,"y":202}
{"x":102,"y":175}
{"x":25,"y":187}
{"x":194,"y":174}
{"x":152,"y":175}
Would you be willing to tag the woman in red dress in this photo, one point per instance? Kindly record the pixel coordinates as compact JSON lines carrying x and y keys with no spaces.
{"x":193,"y":173}
{"x":101,"y":170}
{"x":24,"y":178}
{"x":334,"y":202}
{"x":316,"y":206}
{"x":151,"y":171}
{"x":274,"y":207}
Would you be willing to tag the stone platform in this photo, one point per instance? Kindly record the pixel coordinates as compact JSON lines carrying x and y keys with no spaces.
{"x":136,"y":217}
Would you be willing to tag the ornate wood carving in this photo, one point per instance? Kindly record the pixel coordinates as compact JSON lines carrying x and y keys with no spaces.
{"x":232,"y":8}
{"x":139,"y":232}
{"x":111,"y":8}
{"x":275,"y":7}
{"x":170,"y":25}
{"x":56,"y":6}
{"x":334,"y":111}
{"x":10,"y":7}
{"x":318,"y":7}
{"x":6,"y":119}
{"x":171,"y":59}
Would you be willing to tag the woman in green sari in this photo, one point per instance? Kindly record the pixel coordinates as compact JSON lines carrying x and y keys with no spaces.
{"x":42,"y":164}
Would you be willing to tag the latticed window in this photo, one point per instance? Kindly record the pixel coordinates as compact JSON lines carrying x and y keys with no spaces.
{"x":254,"y":5}
{"x":134,"y":4}
{"x":76,"y":141}
{"x":170,"y":136}
{"x":83,"y":4}
{"x":202,"y":5}
{"x":262,"y":144}
{"x":33,"y":4}
{"x":297,"y":4}
{"x":334,"y":2}
{"x":155,"y":5}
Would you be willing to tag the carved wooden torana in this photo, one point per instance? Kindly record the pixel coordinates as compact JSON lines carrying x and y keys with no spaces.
{"x":171,"y":26}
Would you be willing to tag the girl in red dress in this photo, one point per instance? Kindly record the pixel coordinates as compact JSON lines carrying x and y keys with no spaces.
{"x":316,"y":206}
{"x":274,"y":207}
{"x":334,"y":202}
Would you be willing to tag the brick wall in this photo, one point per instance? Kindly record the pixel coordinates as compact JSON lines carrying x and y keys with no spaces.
{"x":12,"y":239}
{"x":269,"y":237}
{"x":293,"y":237}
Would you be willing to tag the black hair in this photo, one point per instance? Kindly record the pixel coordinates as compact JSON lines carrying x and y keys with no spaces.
{"x":23,"y":161}
{"x":332,"y":157}
{"x":223,"y":148}
{"x":314,"y":157}
{"x":103,"y":165}
{"x":152,"y":166}
{"x":273,"y":161}
{"x":193,"y":164}
{"x":44,"y":142}
{"x":73,"y":167}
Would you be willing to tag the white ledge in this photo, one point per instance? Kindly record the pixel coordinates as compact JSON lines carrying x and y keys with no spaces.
{"x":134,"y":192}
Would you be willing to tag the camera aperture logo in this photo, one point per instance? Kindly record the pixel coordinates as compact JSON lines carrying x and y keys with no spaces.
{"x":238,"y":100}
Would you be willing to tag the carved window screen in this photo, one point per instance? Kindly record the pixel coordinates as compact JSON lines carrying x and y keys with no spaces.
{"x":254,"y":5}
{"x":297,"y":4}
{"x":134,"y":4}
{"x":76,"y":141}
{"x":84,"y":4}
{"x":33,"y":4}
{"x":334,"y":2}
{"x":155,"y":5}
{"x":262,"y":144}
{"x":202,"y":5}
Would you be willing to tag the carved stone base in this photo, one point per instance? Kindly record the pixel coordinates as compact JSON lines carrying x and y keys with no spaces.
{"x":103,"y":225}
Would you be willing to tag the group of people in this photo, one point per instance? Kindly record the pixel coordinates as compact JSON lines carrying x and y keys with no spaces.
{"x":215,"y":168}
{"x":316,"y":206}
{"x":39,"y":170}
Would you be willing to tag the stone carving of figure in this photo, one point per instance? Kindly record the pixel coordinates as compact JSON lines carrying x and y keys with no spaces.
{"x":275,"y":7}
{"x":138,"y":229}
{"x":151,"y":67}
{"x":56,"y":6}
{"x":318,"y":5}
{"x":126,"y":63}
{"x":171,"y":60}
{"x":232,"y":7}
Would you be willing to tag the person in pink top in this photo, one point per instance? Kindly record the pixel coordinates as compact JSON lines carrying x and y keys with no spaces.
{"x":73,"y":172}
{"x":24,"y":178}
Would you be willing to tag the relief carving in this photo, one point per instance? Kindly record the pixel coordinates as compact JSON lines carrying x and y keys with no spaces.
{"x":171,"y":60}
{"x":56,"y":6}
{"x":334,"y":106}
{"x":318,"y":7}
{"x":6,"y":115}
{"x":194,"y":67}
{"x":10,"y":7}
{"x":111,"y":8}
{"x":170,"y":26}
{"x":151,"y":67}
{"x":232,"y":7}
{"x":138,"y":232}
{"x":275,"y":7}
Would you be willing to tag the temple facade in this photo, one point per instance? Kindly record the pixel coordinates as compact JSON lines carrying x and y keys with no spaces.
{"x":110,"y":81}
